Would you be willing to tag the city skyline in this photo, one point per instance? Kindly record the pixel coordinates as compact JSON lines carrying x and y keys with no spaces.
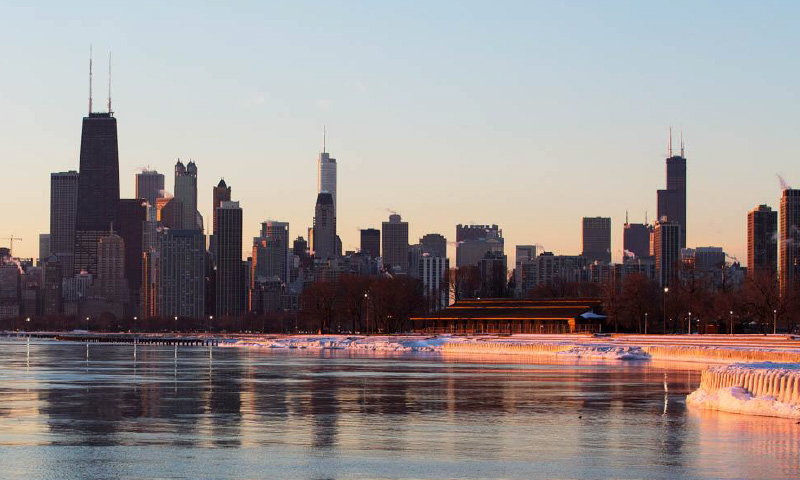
{"x":284,"y":139}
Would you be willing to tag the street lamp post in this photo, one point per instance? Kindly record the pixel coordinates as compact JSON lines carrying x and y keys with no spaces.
{"x":666,"y":290}
{"x":731,"y":322}
{"x":690,"y":323}
{"x":645,"y":323}
{"x":774,"y":322}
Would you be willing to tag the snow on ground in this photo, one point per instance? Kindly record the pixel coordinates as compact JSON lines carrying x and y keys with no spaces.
{"x":343,"y":342}
{"x":739,"y":400}
{"x":607,"y":352}
{"x":436,"y":343}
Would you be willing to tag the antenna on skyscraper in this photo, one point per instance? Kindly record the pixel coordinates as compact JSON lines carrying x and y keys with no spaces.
{"x":626,"y":216}
{"x":109,"y":82}
{"x":681,"y":142}
{"x":90,"y":78}
{"x":670,"y":141}
{"x":324,"y":138}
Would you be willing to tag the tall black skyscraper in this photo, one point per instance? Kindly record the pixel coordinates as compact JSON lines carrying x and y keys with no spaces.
{"x":229,"y":280}
{"x":98,"y":185}
{"x":672,"y":200}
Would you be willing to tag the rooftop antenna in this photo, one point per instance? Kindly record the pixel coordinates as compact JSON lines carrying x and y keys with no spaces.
{"x":681,"y":142}
{"x":90,"y":78}
{"x":670,"y":141}
{"x":626,"y":216}
{"x":645,"y":217}
{"x":109,"y":82}
{"x":324,"y":138}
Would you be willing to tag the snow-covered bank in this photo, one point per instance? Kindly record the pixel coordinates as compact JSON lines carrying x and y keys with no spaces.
{"x":765,"y":389}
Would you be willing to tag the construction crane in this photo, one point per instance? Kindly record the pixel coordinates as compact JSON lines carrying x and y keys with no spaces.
{"x":11,"y":244}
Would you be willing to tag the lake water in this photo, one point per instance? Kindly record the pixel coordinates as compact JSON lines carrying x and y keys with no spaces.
{"x":69,"y":410}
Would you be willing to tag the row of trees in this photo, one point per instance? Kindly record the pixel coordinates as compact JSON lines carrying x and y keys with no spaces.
{"x":754,"y":305}
{"x":361,"y":304}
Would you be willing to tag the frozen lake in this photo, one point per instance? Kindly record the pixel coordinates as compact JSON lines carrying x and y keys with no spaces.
{"x":120,"y":411}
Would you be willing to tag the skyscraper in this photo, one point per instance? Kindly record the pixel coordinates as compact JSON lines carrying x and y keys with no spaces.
{"x":434,"y":244}
{"x":131,"y":220}
{"x":371,"y":242}
{"x":672,"y":200}
{"x":63,"y":208}
{"x":667,"y":243}
{"x":98,"y":187}
{"x":44,"y":247}
{"x":762,"y":240}
{"x":186,"y":192}
{"x":597,"y":239}
{"x":326,"y":174}
{"x":110,"y":283}
{"x":271,"y":252}
{"x":395,"y":244}
{"x":229,"y":280}
{"x":150,"y":186}
{"x":180,"y":282}
{"x":790,"y":240}
{"x":51,"y":286}
{"x":324,"y":239}
{"x":635,"y":240}
{"x":474,"y":241}
{"x":221,"y":193}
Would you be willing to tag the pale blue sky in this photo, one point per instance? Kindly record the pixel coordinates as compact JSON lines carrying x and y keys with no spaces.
{"x":525,"y":114}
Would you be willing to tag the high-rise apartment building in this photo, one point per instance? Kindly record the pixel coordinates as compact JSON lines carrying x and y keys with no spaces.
{"x":110,"y":283}
{"x":597,"y":239}
{"x":186,"y":193}
{"x":180,"y":283}
{"x":672,"y":200}
{"x":229,"y":287}
{"x":98,"y":187}
{"x":150,"y":186}
{"x":667,"y":244}
{"x":63,"y":208}
{"x":790,"y":241}
{"x":762,"y":240}
{"x":371,"y":242}
{"x":324,"y":235}
{"x":395,"y":244}
{"x":433,"y":275}
{"x":474,"y":241}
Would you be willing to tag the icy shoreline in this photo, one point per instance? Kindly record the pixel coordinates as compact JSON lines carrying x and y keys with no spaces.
{"x":440,"y":343}
{"x":764,"y":389}
{"x":719,"y":349}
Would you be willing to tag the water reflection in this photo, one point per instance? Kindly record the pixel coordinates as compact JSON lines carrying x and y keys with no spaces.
{"x":331,"y":414}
